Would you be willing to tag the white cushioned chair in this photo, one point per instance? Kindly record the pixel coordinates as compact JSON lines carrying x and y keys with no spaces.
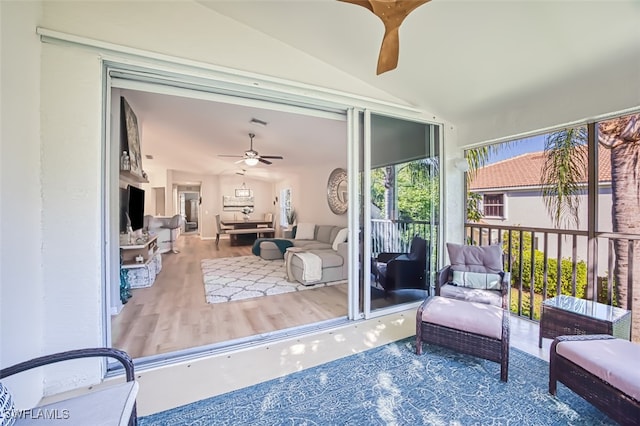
{"x":112,"y":405}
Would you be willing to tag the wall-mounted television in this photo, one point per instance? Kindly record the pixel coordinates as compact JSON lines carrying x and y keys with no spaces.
{"x":135,"y":207}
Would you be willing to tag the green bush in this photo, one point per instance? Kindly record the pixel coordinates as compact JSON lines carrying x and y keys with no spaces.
{"x":566,"y":272}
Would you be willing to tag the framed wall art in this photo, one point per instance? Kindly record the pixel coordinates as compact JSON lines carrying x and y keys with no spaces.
{"x":130,"y":136}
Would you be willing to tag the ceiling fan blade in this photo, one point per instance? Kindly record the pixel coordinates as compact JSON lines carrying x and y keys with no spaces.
{"x":392,"y":14}
{"x":274,"y":157}
{"x":227,"y":155}
{"x":239,"y":161}
{"x":262,"y":160}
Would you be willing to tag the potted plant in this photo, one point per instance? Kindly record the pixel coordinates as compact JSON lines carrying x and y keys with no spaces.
{"x":291,"y":217}
{"x":246,"y":210}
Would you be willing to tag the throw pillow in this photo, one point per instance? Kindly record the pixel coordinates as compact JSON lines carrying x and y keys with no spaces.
{"x":341,"y":237}
{"x":6,"y":407}
{"x":475,"y":258}
{"x":305,"y":231}
{"x":479,"y":280}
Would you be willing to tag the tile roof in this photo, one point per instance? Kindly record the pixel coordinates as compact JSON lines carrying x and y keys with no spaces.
{"x":524,"y":171}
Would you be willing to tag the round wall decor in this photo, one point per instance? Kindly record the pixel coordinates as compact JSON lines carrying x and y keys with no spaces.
{"x":337,"y":192}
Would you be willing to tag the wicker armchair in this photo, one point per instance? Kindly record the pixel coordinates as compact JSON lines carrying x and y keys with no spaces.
{"x":403,"y":270}
{"x":482,"y":259}
{"x":113,"y":405}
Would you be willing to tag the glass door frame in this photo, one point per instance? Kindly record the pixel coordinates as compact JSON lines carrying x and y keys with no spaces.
{"x":354,"y":209}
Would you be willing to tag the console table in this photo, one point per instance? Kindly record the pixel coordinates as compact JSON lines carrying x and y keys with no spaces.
{"x":141,"y":274}
{"x":567,"y":315}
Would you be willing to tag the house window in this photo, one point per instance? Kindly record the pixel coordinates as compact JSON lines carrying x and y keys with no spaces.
{"x":285,"y":206}
{"x":493,"y":205}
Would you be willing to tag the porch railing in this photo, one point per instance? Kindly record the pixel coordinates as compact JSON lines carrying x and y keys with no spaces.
{"x":395,"y":235}
{"x":536,"y":257}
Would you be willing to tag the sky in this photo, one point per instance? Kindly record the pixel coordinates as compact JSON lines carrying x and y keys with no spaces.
{"x":522,"y":146}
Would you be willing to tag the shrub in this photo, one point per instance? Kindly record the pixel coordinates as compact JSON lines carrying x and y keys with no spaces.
{"x":565,"y":279}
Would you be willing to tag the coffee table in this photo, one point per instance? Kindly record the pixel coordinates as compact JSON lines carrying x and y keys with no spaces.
{"x":567,"y":315}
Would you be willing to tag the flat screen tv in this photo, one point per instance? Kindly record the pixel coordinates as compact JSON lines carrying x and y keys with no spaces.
{"x":135,"y":207}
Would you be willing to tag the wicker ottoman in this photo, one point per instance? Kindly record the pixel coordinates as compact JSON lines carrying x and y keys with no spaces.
{"x":601,"y":369}
{"x":476,"y":329}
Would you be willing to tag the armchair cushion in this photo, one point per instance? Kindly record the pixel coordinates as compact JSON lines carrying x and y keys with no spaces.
{"x":490,"y":297}
{"x":479,"y":280}
{"x":112,"y":405}
{"x":109,"y":406}
{"x":475,"y":258}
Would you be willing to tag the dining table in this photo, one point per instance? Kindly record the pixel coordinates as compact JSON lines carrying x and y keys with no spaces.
{"x":243,"y":232}
{"x":244,"y":224}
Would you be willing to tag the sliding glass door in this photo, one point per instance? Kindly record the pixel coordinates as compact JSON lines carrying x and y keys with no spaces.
{"x":400,"y":203}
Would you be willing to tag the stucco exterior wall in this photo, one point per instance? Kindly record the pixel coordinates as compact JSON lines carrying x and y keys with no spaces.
{"x":526,"y":208}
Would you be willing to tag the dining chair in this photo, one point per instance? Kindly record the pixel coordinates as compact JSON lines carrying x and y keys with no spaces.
{"x":221,"y":229}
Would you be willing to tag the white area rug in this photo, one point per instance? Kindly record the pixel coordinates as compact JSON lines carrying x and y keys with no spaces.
{"x":245,"y":277}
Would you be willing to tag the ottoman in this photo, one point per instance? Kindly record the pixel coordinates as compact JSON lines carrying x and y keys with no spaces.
{"x":270,"y":251}
{"x":473,"y":328}
{"x":271,"y":248}
{"x":601,"y":369}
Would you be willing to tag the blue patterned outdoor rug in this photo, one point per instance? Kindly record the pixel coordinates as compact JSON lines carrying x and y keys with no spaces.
{"x":391,"y":385}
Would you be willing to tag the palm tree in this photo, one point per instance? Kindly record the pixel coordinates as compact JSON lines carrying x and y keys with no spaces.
{"x":563,"y":172}
{"x":622,"y":137}
{"x":564,"y":167}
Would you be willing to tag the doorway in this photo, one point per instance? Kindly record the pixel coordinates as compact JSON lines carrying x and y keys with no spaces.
{"x":189,"y":207}
{"x":173,"y":318}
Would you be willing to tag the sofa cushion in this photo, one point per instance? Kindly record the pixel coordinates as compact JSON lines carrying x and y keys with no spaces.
{"x":305,"y":231}
{"x":311,"y":244}
{"x":475,"y":258}
{"x":340,"y":237}
{"x":323,"y":233}
{"x":328,"y":257}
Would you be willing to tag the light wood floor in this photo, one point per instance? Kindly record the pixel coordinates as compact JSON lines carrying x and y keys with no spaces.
{"x":173,"y":315}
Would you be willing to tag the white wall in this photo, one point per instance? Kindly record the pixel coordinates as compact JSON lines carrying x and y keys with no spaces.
{"x":310,"y":199}
{"x":71,"y":190}
{"x":21,"y":256}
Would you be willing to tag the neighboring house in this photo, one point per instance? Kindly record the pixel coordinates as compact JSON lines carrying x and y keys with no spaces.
{"x":511,"y":195}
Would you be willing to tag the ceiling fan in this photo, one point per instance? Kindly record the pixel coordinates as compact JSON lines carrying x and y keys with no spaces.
{"x":391,"y":13}
{"x":251,"y":157}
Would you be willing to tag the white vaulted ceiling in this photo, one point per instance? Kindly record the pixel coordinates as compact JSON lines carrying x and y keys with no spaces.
{"x":470,"y":62}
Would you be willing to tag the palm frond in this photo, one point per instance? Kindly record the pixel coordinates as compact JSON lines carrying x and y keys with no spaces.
{"x":563,"y":172}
